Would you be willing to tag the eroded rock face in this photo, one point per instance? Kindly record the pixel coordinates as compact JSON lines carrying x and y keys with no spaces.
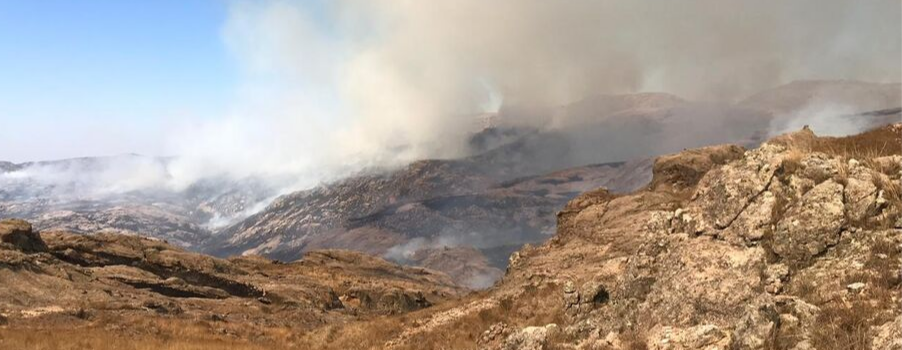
{"x":713,"y":279}
{"x":20,"y":235}
{"x":860,"y":192}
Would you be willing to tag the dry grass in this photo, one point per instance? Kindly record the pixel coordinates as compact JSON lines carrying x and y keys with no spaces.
{"x":172,"y":337}
{"x":536,"y":306}
{"x":891,"y":191}
{"x":886,"y":168}
{"x":884,"y":262}
{"x":881,"y":142}
{"x":892,"y":188}
{"x":634,"y":341}
{"x":864,"y":147}
{"x":844,"y":326}
{"x":792,"y":161}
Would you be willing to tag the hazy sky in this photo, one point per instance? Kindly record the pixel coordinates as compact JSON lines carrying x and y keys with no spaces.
{"x":104,"y":76}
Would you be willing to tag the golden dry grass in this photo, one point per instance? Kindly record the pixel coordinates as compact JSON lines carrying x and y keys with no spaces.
{"x":847,"y":324}
{"x":881,"y":142}
{"x":146,"y":333}
{"x":537,"y":306}
{"x":100,"y":339}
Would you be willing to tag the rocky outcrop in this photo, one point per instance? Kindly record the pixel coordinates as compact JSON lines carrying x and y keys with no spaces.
{"x":812,"y":225}
{"x":19,"y":234}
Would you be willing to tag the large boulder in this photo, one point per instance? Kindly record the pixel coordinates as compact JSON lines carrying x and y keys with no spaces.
{"x":530,"y":338}
{"x":812,"y":225}
{"x":20,"y":235}
{"x":724,"y":193}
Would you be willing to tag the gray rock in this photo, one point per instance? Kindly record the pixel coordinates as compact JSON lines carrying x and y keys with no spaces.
{"x":812,"y":225}
{"x":724,"y":193}
{"x":856,"y":287}
{"x":530,"y":338}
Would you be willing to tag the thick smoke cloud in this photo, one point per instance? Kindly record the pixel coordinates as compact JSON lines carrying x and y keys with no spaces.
{"x":409,"y":75}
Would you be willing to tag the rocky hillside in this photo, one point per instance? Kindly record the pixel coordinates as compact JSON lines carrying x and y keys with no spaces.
{"x":57,"y":278}
{"x":796,"y":244}
{"x":423,"y":209}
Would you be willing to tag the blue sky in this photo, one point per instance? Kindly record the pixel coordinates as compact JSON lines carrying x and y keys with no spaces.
{"x":108,"y":71}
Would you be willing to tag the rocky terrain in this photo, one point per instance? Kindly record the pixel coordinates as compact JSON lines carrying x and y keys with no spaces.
{"x":796,"y":244}
{"x":78,"y":280}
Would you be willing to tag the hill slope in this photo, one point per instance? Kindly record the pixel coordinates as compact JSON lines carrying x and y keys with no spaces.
{"x":794,"y":245}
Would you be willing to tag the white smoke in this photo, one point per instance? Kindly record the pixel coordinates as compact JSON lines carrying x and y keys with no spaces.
{"x":385,"y":82}
{"x":407,"y":250}
{"x":823,"y":119}
{"x":88,"y":177}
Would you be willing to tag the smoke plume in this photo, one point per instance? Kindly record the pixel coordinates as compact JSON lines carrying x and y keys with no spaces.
{"x":382,"y":81}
